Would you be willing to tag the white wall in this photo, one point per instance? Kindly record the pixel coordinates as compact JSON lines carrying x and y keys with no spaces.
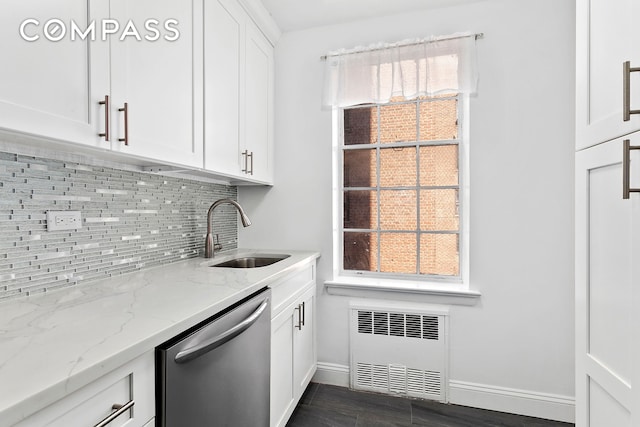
{"x":518,"y":341}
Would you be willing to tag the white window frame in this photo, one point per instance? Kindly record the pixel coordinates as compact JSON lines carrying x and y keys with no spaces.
{"x":347,"y":279}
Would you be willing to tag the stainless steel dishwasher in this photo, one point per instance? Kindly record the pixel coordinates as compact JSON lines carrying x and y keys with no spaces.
{"x":217,"y":373}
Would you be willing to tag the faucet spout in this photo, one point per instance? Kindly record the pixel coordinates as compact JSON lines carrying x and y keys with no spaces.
{"x":208,"y":244}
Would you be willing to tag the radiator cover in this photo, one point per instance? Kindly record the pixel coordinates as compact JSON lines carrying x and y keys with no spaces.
{"x":399,"y":350}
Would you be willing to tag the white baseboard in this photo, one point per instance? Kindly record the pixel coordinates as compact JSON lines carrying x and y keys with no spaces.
{"x":523,"y":402}
{"x":332,"y":374}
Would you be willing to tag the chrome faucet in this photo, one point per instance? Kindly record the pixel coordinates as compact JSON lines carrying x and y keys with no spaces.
{"x":208,"y":244}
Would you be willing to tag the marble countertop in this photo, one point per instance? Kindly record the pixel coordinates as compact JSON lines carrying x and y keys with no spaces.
{"x":55,"y":343}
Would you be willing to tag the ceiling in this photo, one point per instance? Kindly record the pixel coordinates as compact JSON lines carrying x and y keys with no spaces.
{"x":292,"y":15}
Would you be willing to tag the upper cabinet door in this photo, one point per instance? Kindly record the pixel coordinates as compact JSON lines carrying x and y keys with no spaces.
{"x":51,"y":85}
{"x":157,"y":74}
{"x":607,"y":37}
{"x":224,"y":40}
{"x":259,"y":108}
{"x":238,"y":87}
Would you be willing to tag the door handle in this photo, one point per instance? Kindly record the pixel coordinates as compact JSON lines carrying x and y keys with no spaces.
{"x":245,"y":155}
{"x":198,"y":350}
{"x":301,"y":316}
{"x":626,"y":168}
{"x":627,"y":69}
{"x":105,"y":134}
{"x":118,"y":410}
{"x":299,"y":325}
{"x":125,"y":109}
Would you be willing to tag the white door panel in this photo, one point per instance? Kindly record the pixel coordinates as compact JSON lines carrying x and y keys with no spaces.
{"x":52,"y":88}
{"x":606,"y":38}
{"x":607,"y":293}
{"x":159,"y":82}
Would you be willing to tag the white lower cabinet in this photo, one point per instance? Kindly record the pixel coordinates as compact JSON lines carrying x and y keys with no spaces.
{"x":293,"y":342}
{"x":607,"y":277}
{"x":94,"y":403}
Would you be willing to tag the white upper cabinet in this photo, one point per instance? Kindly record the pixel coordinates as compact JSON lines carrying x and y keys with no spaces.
{"x":607,"y":37}
{"x":259,"y":85}
{"x":74,"y":89}
{"x":224,"y":34}
{"x":157,"y":82}
{"x":52,"y":88}
{"x":238,"y":87}
{"x":158,"y":78}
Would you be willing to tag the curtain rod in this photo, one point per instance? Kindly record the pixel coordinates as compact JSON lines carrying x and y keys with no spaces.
{"x":476,"y":35}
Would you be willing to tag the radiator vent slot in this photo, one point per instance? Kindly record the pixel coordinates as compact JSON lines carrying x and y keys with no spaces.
{"x":365,"y":322}
{"x":398,"y":324}
{"x":380,"y":323}
{"x":399,"y":352}
{"x":430,"y":327}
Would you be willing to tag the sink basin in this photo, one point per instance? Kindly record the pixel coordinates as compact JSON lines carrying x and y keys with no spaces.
{"x":251,"y":261}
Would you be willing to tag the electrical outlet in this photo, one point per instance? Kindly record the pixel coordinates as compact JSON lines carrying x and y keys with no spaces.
{"x":64,"y":220}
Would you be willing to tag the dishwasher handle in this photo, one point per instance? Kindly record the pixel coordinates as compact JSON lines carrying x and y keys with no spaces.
{"x":198,"y":350}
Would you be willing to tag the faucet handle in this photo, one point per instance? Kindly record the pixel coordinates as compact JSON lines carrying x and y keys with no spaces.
{"x":216,"y":245}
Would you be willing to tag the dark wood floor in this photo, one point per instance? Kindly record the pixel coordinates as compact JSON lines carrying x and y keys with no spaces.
{"x":331,"y":406}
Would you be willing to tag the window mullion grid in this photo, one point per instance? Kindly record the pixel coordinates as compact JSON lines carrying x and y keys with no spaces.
{"x":435,"y":142}
{"x":417,"y":189}
{"x":343,"y":190}
{"x":378,"y":195}
{"x":378,"y":188}
{"x":461,"y":171}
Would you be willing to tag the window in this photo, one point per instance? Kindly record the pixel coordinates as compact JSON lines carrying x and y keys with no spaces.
{"x":401,"y":189}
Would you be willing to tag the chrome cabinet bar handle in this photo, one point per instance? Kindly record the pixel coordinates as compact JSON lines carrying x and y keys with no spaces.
{"x":125,"y":109}
{"x":105,"y":134}
{"x":627,"y":69}
{"x":251,"y":170}
{"x":299,"y":325}
{"x":245,"y":154}
{"x":626,"y":168}
{"x":118,"y":410}
{"x":199,"y":349}
{"x":304,"y":313}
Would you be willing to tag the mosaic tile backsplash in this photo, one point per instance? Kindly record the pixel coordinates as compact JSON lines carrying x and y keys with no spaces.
{"x":130,"y":221}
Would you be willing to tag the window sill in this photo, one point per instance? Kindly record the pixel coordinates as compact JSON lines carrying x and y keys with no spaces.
{"x":428,"y":292}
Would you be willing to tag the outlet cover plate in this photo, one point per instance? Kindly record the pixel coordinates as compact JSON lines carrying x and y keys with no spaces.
{"x":64,"y":220}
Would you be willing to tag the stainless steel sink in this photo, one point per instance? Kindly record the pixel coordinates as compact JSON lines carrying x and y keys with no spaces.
{"x":251,"y":261}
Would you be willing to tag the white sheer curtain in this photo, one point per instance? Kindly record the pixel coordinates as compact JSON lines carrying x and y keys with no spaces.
{"x":410,"y":68}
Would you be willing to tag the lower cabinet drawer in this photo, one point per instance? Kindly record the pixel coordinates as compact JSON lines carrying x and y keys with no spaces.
{"x":289,"y":287}
{"x":121,"y":398}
